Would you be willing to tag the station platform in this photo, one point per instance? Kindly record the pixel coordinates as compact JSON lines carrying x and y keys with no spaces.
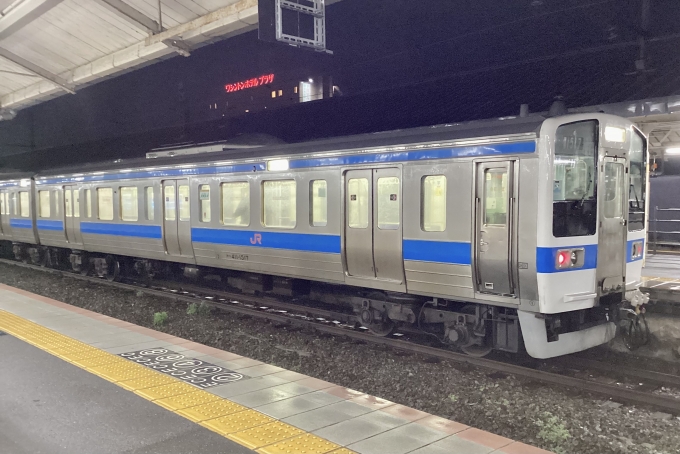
{"x":661,"y":277}
{"x":77,"y":381}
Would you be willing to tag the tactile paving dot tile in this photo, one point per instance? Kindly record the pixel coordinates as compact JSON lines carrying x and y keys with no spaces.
{"x":266,"y":434}
{"x":211,"y":410}
{"x":97,"y":361}
{"x":147,"y":382}
{"x":302,"y":444}
{"x":342,"y":451}
{"x":187,"y":400}
{"x":237,"y":422}
{"x":164,"y":391}
{"x":87,"y":355}
{"x":116,"y":374}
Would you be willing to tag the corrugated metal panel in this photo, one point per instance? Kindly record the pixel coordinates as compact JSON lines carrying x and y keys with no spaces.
{"x":78,"y":42}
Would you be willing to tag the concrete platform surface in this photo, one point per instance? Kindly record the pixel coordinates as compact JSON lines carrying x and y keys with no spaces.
{"x":50,"y":406}
{"x":260,"y":407}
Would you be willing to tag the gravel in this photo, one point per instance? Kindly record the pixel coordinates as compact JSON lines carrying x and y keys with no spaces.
{"x":562,"y":420}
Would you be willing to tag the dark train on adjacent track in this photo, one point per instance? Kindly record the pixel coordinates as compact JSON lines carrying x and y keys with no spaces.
{"x":489,"y":235}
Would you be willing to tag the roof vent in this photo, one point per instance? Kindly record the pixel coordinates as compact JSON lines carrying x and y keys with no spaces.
{"x":557,"y":108}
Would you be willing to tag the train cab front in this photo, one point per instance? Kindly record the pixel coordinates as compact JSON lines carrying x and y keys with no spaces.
{"x":590,"y":233}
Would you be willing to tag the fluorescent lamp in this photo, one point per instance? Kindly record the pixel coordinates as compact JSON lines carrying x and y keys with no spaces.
{"x":673,"y":151}
{"x":278,"y":164}
{"x":613,"y":134}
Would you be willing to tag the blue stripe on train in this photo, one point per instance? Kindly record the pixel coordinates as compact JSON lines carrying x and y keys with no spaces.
{"x":329,"y":244}
{"x":21,"y":223}
{"x":546,"y":258}
{"x":420,"y":155}
{"x":629,"y":250}
{"x":438,"y":251}
{"x":367,"y":158}
{"x":50,"y":225}
{"x":127,"y":230}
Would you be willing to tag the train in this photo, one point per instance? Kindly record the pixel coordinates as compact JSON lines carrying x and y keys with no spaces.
{"x":512,"y":234}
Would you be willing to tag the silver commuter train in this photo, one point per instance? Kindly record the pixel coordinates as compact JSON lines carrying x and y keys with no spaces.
{"x":468,"y":231}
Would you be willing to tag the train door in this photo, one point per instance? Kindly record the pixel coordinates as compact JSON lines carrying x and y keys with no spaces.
{"x":177,"y":218}
{"x":611,"y":248}
{"x":495,"y":223}
{"x":373,"y":232}
{"x":72,"y":215}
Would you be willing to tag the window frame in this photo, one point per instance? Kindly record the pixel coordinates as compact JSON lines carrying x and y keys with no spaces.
{"x":123,"y":216}
{"x":27,"y":204}
{"x":41,"y":205}
{"x":263,"y":185}
{"x":201,"y":202}
{"x":423,"y":202}
{"x":249,"y":198}
{"x":99,"y":210}
{"x":312,"y":222}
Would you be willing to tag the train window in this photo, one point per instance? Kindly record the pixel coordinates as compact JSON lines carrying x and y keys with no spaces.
{"x":495,"y":197}
{"x":56,"y":203}
{"x":575,"y":179}
{"x":358,"y":206}
{"x":150,"y":205}
{"x":44,"y":204}
{"x":319,"y":203}
{"x":170,"y":206}
{"x":613,"y":181}
{"x":15,"y":205}
{"x":105,"y":203}
{"x":24,"y":204}
{"x":68,"y":209}
{"x":88,"y":203}
{"x":184,"y":206}
{"x":76,"y":203}
{"x":279,"y":204}
{"x":204,"y":198}
{"x":638,"y":183}
{"x":433,"y":203}
{"x":388,"y":203}
{"x":129,"y":209}
{"x":236,"y":203}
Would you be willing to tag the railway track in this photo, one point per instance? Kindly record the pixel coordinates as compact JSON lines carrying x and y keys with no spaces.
{"x":341,"y":324}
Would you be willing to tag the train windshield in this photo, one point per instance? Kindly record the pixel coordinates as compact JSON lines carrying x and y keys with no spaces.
{"x":575,"y":179}
{"x":638,"y":182}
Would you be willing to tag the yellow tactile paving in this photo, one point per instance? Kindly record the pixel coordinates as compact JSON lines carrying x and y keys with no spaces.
{"x":116,"y":372}
{"x":302,"y":444}
{"x":146,"y":382}
{"x":237,"y":422}
{"x":211,"y":410}
{"x":247,"y":427}
{"x":99,"y":361}
{"x":266,"y":434}
{"x":187,"y":400}
{"x":165,"y":391}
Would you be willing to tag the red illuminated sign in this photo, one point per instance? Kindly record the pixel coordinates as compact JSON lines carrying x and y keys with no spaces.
{"x":250,"y":83}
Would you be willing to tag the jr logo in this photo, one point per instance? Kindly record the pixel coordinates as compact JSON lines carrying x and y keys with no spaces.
{"x":256,"y":239}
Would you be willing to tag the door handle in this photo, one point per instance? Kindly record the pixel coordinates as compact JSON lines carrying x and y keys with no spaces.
{"x":624,"y":222}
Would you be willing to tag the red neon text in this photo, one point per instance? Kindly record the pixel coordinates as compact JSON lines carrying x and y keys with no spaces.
{"x":250,"y":83}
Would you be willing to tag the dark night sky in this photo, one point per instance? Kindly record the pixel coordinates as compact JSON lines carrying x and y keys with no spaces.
{"x":398,"y":62}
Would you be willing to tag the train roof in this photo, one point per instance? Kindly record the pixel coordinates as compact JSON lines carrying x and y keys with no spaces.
{"x":446,"y":132}
{"x":13,"y":176}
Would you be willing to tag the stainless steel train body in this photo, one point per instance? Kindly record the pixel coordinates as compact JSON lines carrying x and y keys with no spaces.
{"x":541,"y":220}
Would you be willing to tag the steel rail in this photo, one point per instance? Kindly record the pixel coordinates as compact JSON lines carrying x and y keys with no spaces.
{"x":620,"y":394}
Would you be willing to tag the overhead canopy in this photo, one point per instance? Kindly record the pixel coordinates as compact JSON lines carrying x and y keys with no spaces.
{"x":52,"y":47}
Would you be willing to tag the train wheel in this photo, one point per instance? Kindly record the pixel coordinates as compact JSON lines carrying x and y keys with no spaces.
{"x":376,"y":320}
{"x":112,"y":269}
{"x":478,"y":351}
